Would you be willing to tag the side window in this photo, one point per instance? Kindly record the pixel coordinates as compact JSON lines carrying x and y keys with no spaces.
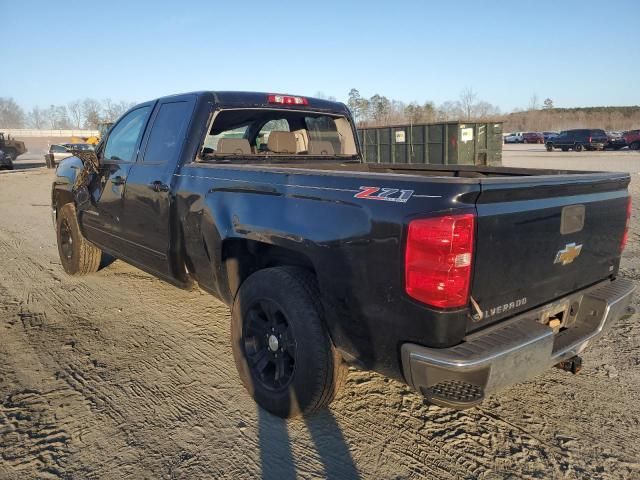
{"x":124,"y":137}
{"x":167,"y":133}
{"x":58,"y":149}
{"x":280,"y":125}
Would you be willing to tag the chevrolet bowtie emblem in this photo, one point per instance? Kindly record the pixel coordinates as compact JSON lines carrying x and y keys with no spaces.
{"x":568,"y":254}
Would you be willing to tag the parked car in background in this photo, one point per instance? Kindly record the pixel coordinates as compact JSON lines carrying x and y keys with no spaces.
{"x":578,"y":140}
{"x":549,"y":135}
{"x":532,"y":137}
{"x":615,"y":141}
{"x":61,"y":151}
{"x":632,"y":138}
{"x":5,"y":161}
{"x":515,"y":137}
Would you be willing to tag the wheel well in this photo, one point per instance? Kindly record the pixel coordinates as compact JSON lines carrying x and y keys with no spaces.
{"x":60,"y":198}
{"x":243,"y":257}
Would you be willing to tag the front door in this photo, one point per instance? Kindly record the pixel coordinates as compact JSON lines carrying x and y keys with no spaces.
{"x":101,"y":220}
{"x":147,"y":200}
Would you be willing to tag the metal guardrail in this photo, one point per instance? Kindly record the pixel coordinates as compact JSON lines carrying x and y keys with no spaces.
{"x":32,"y":132}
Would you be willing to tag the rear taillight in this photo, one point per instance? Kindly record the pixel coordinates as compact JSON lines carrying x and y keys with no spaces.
{"x":590,"y":139}
{"x":625,"y":237}
{"x":438,"y":260}
{"x":287,"y":100}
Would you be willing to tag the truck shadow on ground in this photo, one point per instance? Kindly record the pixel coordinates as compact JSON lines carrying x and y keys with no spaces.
{"x":276,"y":455}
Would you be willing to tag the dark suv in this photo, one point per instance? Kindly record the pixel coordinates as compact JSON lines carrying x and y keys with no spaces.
{"x":578,"y":140}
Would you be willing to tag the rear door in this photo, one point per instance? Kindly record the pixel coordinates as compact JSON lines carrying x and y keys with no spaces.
{"x":541,"y":238}
{"x":562,"y":140}
{"x":147,"y":200}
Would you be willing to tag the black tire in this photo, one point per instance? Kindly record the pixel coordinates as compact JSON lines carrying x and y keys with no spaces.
{"x":524,"y":141}
{"x":634,"y":146}
{"x":77,"y":255}
{"x":283,"y":303}
{"x":49,"y":161}
{"x":549,"y":147}
{"x":578,"y":147}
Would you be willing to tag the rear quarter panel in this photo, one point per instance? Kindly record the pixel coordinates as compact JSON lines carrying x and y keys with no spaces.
{"x":356,"y":246}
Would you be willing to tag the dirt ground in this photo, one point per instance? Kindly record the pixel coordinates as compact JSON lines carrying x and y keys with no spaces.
{"x":119,"y":375}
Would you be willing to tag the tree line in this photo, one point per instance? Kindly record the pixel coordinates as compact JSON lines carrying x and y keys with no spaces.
{"x":379,"y":110}
{"x":84,"y":113}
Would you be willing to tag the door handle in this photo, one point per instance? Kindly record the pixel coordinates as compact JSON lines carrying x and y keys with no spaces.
{"x":118,"y":180}
{"x":158,"y":186}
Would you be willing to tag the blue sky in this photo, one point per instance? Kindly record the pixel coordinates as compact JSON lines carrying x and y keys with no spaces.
{"x":579,"y":53}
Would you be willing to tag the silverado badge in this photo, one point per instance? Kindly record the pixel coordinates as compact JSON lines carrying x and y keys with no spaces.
{"x":568,"y":254}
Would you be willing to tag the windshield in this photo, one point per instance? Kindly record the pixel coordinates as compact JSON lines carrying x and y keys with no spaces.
{"x":278,"y":132}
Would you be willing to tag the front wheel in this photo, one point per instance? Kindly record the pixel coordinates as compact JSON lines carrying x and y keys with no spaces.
{"x":77,"y":255}
{"x":282,"y":350}
{"x":634,"y":146}
{"x":549,"y":147}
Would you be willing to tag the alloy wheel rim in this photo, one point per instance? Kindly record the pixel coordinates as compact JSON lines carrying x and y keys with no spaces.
{"x":66,"y":240}
{"x":269,"y":345}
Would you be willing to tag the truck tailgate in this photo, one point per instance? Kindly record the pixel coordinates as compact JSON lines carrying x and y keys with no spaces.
{"x":540,"y":238}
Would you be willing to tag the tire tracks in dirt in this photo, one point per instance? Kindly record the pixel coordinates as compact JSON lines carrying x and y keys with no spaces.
{"x":130,"y":377}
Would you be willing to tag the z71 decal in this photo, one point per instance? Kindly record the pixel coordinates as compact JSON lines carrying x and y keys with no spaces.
{"x":386,"y":194}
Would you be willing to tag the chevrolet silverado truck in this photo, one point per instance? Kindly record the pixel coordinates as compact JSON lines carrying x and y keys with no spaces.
{"x":458,"y":280}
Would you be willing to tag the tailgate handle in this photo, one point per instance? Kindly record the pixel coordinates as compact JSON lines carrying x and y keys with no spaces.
{"x":572,"y":219}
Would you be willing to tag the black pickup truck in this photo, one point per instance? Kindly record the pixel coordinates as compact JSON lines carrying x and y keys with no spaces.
{"x":458,"y":280}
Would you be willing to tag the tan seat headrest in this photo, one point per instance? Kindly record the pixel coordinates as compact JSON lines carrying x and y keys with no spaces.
{"x":282,"y":142}
{"x":234,"y":146}
{"x":321,"y":147}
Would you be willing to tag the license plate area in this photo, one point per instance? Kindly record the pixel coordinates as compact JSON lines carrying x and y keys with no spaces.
{"x":559,"y":316}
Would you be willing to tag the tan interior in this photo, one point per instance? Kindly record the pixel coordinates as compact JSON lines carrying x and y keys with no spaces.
{"x":234,"y":146}
{"x":321,"y":147}
{"x":282,"y":142}
{"x":302,"y":140}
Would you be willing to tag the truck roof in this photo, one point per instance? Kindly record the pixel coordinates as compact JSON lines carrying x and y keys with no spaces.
{"x":239,"y":99}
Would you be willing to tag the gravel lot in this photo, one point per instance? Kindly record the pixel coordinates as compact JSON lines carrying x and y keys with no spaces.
{"x":119,"y":375}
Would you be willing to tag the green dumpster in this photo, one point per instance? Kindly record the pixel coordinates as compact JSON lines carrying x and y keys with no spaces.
{"x":447,"y":143}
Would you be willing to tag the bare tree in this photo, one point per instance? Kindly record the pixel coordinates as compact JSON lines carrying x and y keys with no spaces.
{"x":11,"y":114}
{"x":534,"y":102}
{"x":112,"y":110}
{"x":75,"y":113}
{"x":36,"y":118}
{"x":467,"y":102}
{"x":354,"y":104}
{"x":92,"y":113}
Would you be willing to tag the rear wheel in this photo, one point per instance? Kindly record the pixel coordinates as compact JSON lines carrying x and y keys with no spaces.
{"x":578,"y":147}
{"x":77,"y":255}
{"x":549,"y":147}
{"x":282,"y":350}
{"x":634,"y":146}
{"x":525,"y":141}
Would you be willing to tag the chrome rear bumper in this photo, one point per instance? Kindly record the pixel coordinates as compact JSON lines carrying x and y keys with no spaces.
{"x":515,"y":350}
